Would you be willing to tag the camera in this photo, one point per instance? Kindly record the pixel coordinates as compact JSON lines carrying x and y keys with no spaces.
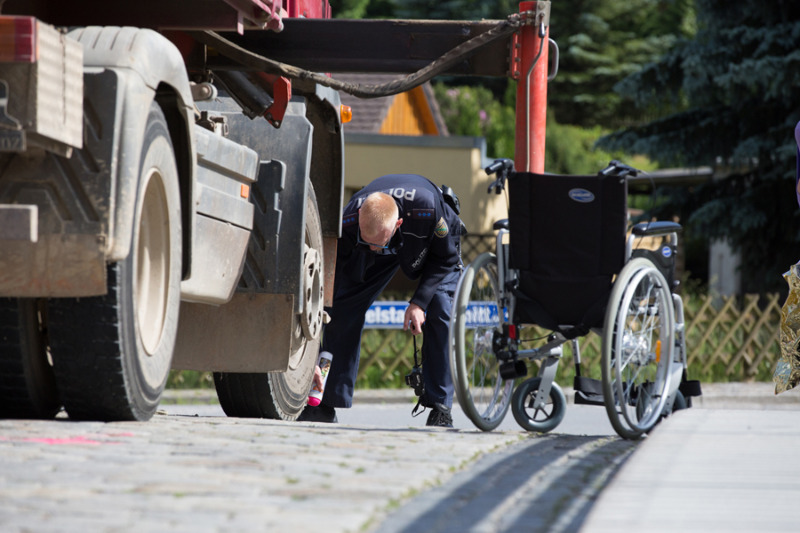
{"x":415,"y":381}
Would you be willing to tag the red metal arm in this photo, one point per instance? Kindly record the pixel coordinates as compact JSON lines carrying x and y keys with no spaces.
{"x":529,"y":68}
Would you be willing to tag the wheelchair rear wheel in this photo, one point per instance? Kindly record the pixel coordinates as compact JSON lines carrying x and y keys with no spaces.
{"x":483,"y":394}
{"x":638,"y":346}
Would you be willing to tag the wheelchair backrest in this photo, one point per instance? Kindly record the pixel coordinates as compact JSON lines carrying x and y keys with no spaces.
{"x":568,"y":242}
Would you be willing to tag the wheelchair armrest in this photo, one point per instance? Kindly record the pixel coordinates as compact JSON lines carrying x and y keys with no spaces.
{"x":655,"y":228}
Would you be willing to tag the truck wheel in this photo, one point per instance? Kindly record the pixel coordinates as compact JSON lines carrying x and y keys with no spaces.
{"x":112,"y":353}
{"x":27,"y":383}
{"x":282,"y":395}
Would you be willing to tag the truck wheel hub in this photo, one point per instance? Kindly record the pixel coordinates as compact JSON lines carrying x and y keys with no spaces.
{"x":311,"y":316}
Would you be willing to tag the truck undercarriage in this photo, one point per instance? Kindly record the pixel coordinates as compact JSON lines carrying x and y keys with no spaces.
{"x":184,"y":213}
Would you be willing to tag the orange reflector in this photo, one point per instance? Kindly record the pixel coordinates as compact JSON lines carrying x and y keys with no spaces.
{"x":244,"y":191}
{"x":658,"y":351}
{"x":346,"y":113}
{"x":18,"y":42}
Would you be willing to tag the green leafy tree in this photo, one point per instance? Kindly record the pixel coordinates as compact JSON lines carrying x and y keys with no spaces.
{"x":485,"y":106}
{"x":475,"y":111}
{"x":571,"y":150}
{"x":350,"y":9}
{"x":600,"y":43}
{"x":730,"y":98}
{"x":358,"y":9}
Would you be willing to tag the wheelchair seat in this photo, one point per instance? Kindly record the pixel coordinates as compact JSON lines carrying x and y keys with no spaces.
{"x":567,"y":243}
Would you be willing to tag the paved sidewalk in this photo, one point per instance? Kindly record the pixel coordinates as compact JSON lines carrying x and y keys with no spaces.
{"x":708,"y":471}
{"x":729,"y":465}
{"x":757,"y":395}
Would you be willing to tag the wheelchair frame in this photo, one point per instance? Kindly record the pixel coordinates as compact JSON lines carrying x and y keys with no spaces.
{"x":644,"y":359}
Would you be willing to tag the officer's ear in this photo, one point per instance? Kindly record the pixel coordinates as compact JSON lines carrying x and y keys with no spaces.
{"x":399,"y":223}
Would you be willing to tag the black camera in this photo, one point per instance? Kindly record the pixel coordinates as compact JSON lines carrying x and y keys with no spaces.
{"x":415,"y":381}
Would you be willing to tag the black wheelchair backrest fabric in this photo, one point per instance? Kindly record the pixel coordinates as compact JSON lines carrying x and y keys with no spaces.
{"x":568,"y":241}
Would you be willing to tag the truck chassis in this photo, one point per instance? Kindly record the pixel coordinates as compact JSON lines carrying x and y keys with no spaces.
{"x":171,"y":191}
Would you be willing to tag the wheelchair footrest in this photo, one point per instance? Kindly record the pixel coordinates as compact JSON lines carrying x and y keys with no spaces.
{"x":588,"y":391}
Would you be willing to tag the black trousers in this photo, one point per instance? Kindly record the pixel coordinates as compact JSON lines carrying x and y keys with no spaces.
{"x":342,"y":336}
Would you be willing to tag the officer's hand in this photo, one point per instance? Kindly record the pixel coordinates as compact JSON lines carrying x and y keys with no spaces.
{"x":414,"y":319}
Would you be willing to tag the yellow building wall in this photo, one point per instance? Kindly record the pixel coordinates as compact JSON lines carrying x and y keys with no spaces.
{"x":453,"y":161}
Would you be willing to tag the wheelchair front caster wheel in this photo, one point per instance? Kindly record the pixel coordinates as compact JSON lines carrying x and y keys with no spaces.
{"x":543,"y":418}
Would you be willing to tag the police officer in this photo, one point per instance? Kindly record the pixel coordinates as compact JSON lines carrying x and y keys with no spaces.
{"x":398,"y":221}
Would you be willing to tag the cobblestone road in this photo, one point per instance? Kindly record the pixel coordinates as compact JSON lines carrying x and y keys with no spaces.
{"x":198,"y":474}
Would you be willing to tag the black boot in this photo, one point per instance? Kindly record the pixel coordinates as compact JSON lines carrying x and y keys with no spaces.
{"x":440,"y":416}
{"x":320,"y":413}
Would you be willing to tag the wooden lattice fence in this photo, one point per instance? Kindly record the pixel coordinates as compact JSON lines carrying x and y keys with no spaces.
{"x":732,"y":339}
{"x":474,"y":245}
{"x":727,"y":339}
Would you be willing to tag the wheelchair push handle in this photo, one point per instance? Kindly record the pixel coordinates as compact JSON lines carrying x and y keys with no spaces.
{"x":501,"y":167}
{"x":504,"y":167}
{"x":620,"y":169}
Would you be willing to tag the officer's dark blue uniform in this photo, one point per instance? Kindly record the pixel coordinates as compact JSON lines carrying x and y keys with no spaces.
{"x":427,"y":247}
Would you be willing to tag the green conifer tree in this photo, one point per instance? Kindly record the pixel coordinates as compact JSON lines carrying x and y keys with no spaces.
{"x":600,"y":43}
{"x":729,"y":98}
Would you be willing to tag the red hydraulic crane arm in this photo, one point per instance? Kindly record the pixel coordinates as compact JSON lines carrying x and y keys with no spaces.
{"x":529,"y":67}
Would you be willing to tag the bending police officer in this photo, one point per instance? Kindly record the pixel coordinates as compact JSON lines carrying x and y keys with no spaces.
{"x":398,"y":221}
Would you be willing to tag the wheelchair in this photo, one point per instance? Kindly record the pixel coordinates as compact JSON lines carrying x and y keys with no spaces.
{"x":562,"y":262}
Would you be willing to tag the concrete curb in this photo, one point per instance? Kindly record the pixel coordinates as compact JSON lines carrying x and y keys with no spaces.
{"x":757,"y":395}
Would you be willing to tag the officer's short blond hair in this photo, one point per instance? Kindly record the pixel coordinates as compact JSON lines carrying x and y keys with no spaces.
{"x":379,"y":210}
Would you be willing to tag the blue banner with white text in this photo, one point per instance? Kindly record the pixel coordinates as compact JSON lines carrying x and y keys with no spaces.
{"x":389,"y":315}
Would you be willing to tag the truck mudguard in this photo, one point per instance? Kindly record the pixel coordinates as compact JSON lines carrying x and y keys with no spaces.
{"x":144,"y":61}
{"x":327,"y":171}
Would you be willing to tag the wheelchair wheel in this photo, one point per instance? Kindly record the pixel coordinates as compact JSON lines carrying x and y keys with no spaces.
{"x":544,"y":418}
{"x":638,"y":346}
{"x":482,"y":393}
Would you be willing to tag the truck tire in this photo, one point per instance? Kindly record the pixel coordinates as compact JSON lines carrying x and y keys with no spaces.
{"x":27,"y":383}
{"x":282,"y":395}
{"x":112,"y":354}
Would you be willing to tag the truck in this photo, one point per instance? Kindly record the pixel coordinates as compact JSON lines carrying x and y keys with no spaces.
{"x":171,"y":187}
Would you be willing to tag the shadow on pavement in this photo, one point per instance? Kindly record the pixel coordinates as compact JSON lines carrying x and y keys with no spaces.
{"x":546,"y":483}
